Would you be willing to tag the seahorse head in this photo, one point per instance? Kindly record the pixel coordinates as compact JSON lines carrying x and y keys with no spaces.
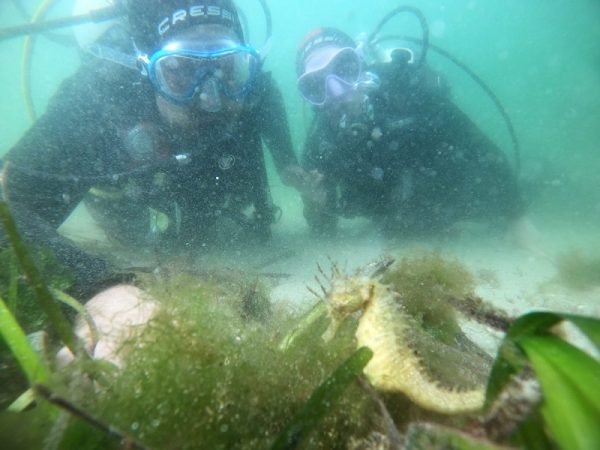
{"x":346,"y":296}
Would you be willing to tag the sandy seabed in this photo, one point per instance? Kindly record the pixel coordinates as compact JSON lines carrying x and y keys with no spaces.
{"x":510,"y":277}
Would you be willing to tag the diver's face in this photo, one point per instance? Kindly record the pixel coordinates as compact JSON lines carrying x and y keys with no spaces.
{"x":330,"y":77}
{"x":188,"y":71}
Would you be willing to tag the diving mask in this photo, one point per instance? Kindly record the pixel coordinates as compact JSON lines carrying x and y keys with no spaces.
{"x":181,"y":69}
{"x":330,"y":73}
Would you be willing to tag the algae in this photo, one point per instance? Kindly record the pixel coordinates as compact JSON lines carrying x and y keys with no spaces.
{"x":18,"y":292}
{"x":432,"y":290}
{"x":203,"y":374}
{"x":426,"y":283}
{"x":208,"y":372}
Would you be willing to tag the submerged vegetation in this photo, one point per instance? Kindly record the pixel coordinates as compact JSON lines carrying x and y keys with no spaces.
{"x":577,"y":270}
{"x":218,"y":366}
{"x":15,"y":288}
{"x":202,"y":375}
{"x":426,"y":283}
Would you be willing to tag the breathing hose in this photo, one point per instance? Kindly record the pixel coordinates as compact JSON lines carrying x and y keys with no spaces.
{"x":373,"y":39}
{"x":38,"y":16}
{"x":424,"y":29}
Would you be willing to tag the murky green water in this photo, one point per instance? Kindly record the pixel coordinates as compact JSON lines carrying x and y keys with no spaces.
{"x":541,"y":58}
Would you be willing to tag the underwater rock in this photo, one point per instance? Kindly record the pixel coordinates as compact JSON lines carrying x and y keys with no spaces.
{"x":113,"y":316}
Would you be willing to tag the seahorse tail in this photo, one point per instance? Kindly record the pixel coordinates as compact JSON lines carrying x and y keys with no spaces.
{"x":395,"y":367}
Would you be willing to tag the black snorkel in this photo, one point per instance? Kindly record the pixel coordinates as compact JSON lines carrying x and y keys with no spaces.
{"x":269,"y":28}
{"x":373,"y":39}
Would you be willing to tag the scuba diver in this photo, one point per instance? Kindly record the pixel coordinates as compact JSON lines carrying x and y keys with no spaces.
{"x":168,"y":156}
{"x":389,"y":144}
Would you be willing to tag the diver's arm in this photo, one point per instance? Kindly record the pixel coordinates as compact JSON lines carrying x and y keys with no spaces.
{"x":320,"y":203}
{"x":46,"y":174}
{"x":275,"y":131}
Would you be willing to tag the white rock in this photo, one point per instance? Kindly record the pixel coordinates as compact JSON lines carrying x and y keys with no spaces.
{"x":118,"y":313}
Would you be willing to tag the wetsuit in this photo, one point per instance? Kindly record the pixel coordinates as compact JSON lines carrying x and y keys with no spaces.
{"x":157,"y":184}
{"x":411,"y":160}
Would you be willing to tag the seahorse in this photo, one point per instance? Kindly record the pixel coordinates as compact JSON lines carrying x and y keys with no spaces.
{"x":386,"y":329}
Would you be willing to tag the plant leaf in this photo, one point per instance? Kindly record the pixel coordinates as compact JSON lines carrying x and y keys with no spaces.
{"x":588,"y":326}
{"x":510,"y":357}
{"x":55,"y":316}
{"x":24,"y":401}
{"x":569,"y":380}
{"x":316,"y":312}
{"x":322,"y":399}
{"x":30,"y":362}
{"x":531,"y":434}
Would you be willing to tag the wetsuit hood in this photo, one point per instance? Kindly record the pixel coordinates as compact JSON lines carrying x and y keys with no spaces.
{"x":152,"y":22}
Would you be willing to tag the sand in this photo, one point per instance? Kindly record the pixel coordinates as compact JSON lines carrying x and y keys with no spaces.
{"x":508,"y":276}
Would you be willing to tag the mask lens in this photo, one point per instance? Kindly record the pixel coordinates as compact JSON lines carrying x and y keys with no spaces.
{"x":235,"y":71}
{"x":180,"y":75}
{"x":177,"y":76}
{"x":344,"y":68}
{"x":313,"y":87}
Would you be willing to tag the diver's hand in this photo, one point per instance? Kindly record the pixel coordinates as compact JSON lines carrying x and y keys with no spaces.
{"x":311,"y":187}
{"x":308,"y":183}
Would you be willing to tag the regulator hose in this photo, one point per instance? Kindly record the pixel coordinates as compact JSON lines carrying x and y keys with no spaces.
{"x":39,"y":14}
{"x":372,"y":38}
{"x":477,"y":79}
{"x":38,"y":27}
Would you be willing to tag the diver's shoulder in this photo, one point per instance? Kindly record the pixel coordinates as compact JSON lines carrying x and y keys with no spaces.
{"x":109,"y":64}
{"x":87,"y":89}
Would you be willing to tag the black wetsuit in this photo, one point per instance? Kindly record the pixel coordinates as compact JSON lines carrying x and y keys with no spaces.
{"x":83,"y":147}
{"x":411,"y":160}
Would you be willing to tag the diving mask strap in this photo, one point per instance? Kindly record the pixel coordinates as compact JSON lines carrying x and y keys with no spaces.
{"x":112,"y":55}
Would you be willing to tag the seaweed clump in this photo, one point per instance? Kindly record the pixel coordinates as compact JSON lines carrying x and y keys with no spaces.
{"x":207,"y":373}
{"x":577,"y":270}
{"x":427,"y":284}
{"x":433,"y":290}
